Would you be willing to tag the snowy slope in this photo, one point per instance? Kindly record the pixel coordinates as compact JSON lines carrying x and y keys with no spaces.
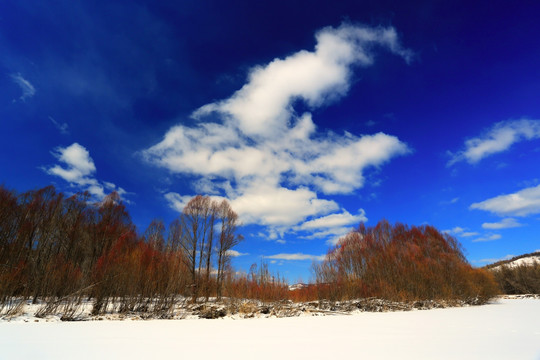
{"x":526,"y":260}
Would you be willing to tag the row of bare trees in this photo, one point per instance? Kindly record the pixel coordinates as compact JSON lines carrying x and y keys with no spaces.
{"x":61,"y":250}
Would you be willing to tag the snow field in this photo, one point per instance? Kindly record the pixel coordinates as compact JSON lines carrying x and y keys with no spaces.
{"x":505,"y":329}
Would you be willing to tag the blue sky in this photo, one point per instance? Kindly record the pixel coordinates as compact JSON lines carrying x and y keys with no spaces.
{"x":309,"y":116}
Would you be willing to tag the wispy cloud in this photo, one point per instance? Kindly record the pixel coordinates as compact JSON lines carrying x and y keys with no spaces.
{"x":334,"y":220}
{"x":468,"y":234}
{"x":27,"y":88}
{"x":500,"y":137}
{"x":78,"y":169}
{"x":370,"y":123}
{"x":332,"y":227}
{"x":262,"y":106}
{"x":455,"y":230}
{"x":461,"y":232}
{"x":235,"y":253}
{"x":503,"y":224}
{"x":176,"y":201}
{"x":272,"y":163}
{"x":296,"y":256}
{"x":494,"y":260}
{"x":489,"y":237}
{"x":62,"y":127}
{"x":522,"y":203}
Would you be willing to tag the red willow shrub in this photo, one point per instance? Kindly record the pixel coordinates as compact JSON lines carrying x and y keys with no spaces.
{"x":56,"y":249}
{"x":400,"y":263}
{"x":309,"y":292}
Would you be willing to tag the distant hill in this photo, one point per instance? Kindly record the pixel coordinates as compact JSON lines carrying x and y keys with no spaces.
{"x":519,"y":275}
{"x":525,"y":259}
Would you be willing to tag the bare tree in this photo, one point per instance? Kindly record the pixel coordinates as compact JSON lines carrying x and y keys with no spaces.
{"x":154,"y":235}
{"x":194,"y":219}
{"x":228,"y":238}
{"x":203,"y":222}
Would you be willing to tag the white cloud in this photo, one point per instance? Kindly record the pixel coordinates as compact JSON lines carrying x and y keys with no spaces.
{"x":468,"y":234}
{"x":522,"y":203}
{"x":262,"y":107}
{"x":234,"y":253}
{"x":269,"y":161}
{"x":335,"y":220}
{"x":27,"y":88}
{"x":332,"y":241}
{"x":503,"y":224}
{"x":341,"y":166}
{"x":455,"y":230}
{"x":332,"y":235}
{"x":279,"y":206}
{"x":461,"y":232}
{"x":78,"y":168}
{"x":267,"y":205}
{"x":498,"y":138}
{"x":490,"y":237}
{"x":78,"y":161}
{"x":332,"y":227}
{"x":177,"y":201}
{"x":296,"y":256}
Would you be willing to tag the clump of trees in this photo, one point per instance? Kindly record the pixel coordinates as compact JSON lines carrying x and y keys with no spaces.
{"x":259,"y":284}
{"x":62,"y":250}
{"x":402,"y":263}
{"x":308,"y":292}
{"x":517,"y":279}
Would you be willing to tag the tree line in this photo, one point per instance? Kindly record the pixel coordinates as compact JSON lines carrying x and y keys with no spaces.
{"x":63,"y":250}
{"x":517,"y":279}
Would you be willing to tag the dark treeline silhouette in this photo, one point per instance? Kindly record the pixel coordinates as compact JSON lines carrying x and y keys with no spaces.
{"x":400,"y":263}
{"x":518,"y":279}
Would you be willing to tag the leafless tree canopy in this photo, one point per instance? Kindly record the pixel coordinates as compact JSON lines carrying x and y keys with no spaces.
{"x":61,"y":251}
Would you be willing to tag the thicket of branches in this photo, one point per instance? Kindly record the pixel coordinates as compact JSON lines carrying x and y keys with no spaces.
{"x":62,"y":250}
{"x":520,"y":279}
{"x":400,"y":263}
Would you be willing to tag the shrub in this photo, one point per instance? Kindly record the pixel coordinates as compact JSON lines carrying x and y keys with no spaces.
{"x":521,"y":279}
{"x":400,"y":263}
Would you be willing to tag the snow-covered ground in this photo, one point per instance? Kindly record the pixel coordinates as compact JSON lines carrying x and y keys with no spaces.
{"x":530,"y":260}
{"x":505,"y":329}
